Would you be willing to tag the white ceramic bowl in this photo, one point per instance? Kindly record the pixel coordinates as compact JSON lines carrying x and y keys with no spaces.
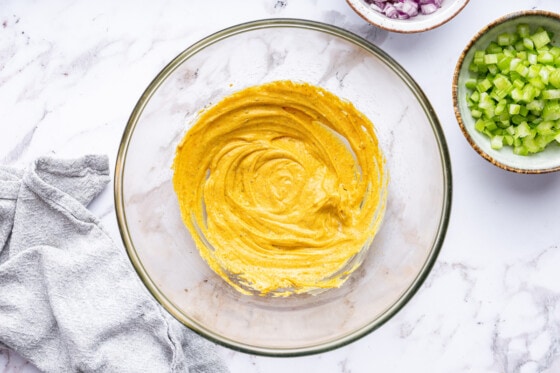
{"x":420,"y":23}
{"x":543,"y":162}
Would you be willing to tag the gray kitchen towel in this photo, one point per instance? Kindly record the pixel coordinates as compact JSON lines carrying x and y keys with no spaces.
{"x":69,"y":298}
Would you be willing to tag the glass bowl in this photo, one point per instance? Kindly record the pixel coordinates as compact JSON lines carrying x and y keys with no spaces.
{"x":418,"y":203}
{"x":539,"y":163}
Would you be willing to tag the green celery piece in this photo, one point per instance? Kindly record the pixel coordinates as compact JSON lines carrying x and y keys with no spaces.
{"x":506,"y":39}
{"x":530,"y":92}
{"x":470,"y":83}
{"x":545,"y":75}
{"x":523,"y":130}
{"x":555,"y":51}
{"x":479,"y":125}
{"x":540,"y":39}
{"x":518,"y":119}
{"x":490,"y":59}
{"x":528,"y":44}
{"x":550,"y":94}
{"x":514,"y":109}
{"x":536,"y":83}
{"x":478,"y":58}
{"x":497,"y":142}
{"x":493,"y":47}
{"x":523,"y":30}
{"x":518,"y":83}
{"x":543,"y":140}
{"x":502,"y":82}
{"x":520,"y":150}
{"x":516,"y":94}
{"x":546,"y":128}
{"x":475,"y":97}
{"x":504,"y":63}
{"x":551,"y":110}
{"x":545,"y":57}
{"x":508,"y":139}
{"x":522,"y":70}
{"x":536,"y":106}
{"x":531,"y":145}
{"x":476,"y":113}
{"x":484,"y":85}
{"x":532,"y":58}
{"x":500,"y":107}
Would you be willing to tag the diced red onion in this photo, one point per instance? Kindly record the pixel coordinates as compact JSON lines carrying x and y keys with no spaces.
{"x":428,"y":8}
{"x":404,"y":9}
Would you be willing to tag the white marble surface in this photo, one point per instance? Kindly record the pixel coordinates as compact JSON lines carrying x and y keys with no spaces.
{"x":71,"y":72}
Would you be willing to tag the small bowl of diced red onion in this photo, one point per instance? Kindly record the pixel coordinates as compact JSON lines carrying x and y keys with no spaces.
{"x":506,"y":92}
{"x":407,"y":16}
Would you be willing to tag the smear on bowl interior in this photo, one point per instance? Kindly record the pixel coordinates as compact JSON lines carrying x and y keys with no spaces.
{"x":283,"y":187}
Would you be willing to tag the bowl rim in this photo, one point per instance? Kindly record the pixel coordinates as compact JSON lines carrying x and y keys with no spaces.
{"x":151,"y":285}
{"x":455,"y":89}
{"x":392,"y":25}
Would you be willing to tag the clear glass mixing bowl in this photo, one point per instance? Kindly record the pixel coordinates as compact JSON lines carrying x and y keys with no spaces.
{"x":419,"y":191}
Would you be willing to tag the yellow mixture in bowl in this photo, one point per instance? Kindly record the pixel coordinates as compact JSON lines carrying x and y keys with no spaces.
{"x":282,"y":186}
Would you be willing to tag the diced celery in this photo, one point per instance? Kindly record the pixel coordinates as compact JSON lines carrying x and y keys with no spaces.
{"x":514,"y":109}
{"x":497,"y":142}
{"x":508,"y":139}
{"x":479,"y":125}
{"x":476,"y":113}
{"x":478,"y":58}
{"x":540,"y":39}
{"x":555,"y":51}
{"x":475,"y":97}
{"x":532,"y":58}
{"x":528,"y":44}
{"x":545,"y":128}
{"x":536,"y":106}
{"x":523,"y":30}
{"x":504,"y":63}
{"x":523,"y":130}
{"x":490,"y":59}
{"x":550,"y":94}
{"x":551,"y":110}
{"x":470,"y":83}
{"x":500,"y":107}
{"x":515,"y":90}
{"x":484,"y":85}
{"x":518,"y":83}
{"x":493,"y":47}
{"x":545,"y":75}
{"x":545,"y":57}
{"x":522,"y":70}
{"x":506,"y":39}
{"x":554,"y":78}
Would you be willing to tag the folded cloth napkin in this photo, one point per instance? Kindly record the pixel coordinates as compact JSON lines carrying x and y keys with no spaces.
{"x":69,"y":299}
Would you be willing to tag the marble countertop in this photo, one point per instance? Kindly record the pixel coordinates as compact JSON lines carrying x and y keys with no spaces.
{"x":71,"y":71}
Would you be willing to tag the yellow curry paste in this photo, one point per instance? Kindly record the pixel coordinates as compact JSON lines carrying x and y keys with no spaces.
{"x":281,"y":185}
